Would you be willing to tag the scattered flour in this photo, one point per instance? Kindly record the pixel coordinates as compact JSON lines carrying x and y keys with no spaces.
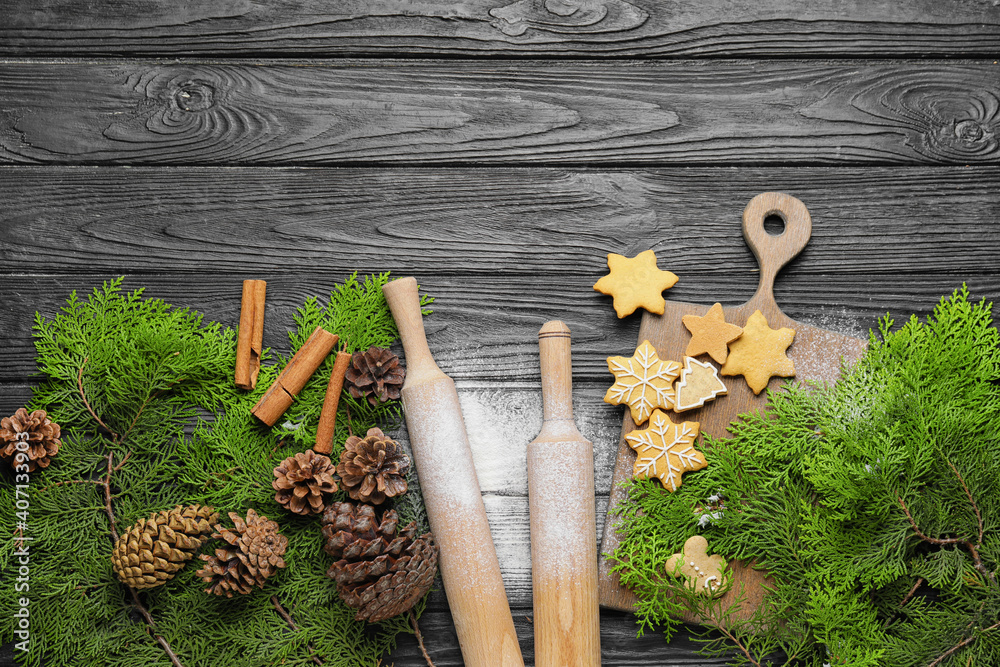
{"x":501,"y":423}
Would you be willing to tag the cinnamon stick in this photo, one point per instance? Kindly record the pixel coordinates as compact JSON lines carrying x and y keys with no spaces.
{"x":286,"y":387}
{"x":250,"y":342}
{"x":328,"y":415}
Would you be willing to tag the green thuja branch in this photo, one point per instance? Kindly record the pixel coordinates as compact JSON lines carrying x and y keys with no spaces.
{"x":108,"y":508}
{"x":873,"y":504}
{"x":151,"y":419}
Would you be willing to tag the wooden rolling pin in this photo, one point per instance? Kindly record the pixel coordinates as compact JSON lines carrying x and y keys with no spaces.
{"x":468,"y":560}
{"x":563,"y":519}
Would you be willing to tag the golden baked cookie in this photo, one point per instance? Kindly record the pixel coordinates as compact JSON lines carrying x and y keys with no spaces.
{"x":643,"y":382}
{"x":704,"y":574}
{"x":635,"y":283}
{"x":665,"y":450}
{"x":710,"y":334}
{"x":698,"y":385}
{"x":759,"y":353}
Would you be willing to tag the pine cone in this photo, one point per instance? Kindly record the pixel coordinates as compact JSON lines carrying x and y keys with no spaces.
{"x":303,"y":480}
{"x":154,"y":549}
{"x":380,"y":571}
{"x":39,"y":434}
{"x":254,"y":552}
{"x":375,"y":374}
{"x":374,"y":468}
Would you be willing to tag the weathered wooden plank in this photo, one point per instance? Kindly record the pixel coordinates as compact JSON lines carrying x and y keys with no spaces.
{"x":498,"y":223}
{"x":902,"y":237}
{"x":484,"y":330}
{"x":471,"y":111}
{"x":502,"y":27}
{"x":619,"y":645}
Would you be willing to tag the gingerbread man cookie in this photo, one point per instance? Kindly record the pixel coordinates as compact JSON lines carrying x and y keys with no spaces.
{"x":665,"y":450}
{"x":711,"y":334}
{"x":635,"y":282}
{"x":698,"y":385}
{"x":704,"y":574}
{"x":642,"y":381}
{"x":759,"y":353}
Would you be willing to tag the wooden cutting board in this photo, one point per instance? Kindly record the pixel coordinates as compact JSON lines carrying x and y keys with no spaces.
{"x":815,"y":352}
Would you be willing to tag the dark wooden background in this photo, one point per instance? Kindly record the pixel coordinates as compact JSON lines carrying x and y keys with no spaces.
{"x":497,"y":150}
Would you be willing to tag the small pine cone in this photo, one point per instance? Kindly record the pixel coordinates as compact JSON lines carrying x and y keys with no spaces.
{"x":302,"y":482}
{"x":253,"y":553}
{"x":381,"y":571}
{"x":154,"y":549}
{"x":34,"y":434}
{"x":374,"y":468}
{"x":375,"y":374}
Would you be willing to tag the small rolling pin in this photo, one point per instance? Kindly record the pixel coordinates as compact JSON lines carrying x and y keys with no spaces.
{"x":563,"y":519}
{"x":468,"y":560}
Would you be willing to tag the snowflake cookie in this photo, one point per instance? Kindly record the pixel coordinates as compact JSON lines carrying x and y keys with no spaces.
{"x":635,"y":282}
{"x":759,"y":353}
{"x":665,"y":450}
{"x":704,"y":574}
{"x":698,"y":385}
{"x":643,"y":382}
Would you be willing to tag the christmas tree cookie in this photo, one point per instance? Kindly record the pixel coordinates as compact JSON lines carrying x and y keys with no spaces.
{"x":759,"y":353}
{"x":698,"y":385}
{"x":643,"y":382}
{"x":711,"y":334}
{"x":635,"y":283}
{"x":665,"y":450}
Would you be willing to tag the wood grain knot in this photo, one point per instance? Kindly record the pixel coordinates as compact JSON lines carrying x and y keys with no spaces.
{"x":572,"y":17}
{"x":210,"y":112}
{"x":950,"y":115}
{"x":195,"y":96}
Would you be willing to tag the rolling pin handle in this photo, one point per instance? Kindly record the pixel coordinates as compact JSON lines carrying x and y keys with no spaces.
{"x":404,"y":302}
{"x":557,"y":371}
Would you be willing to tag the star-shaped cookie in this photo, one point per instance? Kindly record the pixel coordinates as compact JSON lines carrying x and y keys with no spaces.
{"x":710,"y":334}
{"x":704,"y":574}
{"x":635,"y":283}
{"x":698,"y":385}
{"x":642,"y":382}
{"x":665,"y":450}
{"x":759,"y":353}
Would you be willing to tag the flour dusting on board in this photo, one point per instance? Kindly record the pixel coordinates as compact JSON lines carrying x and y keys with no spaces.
{"x":821,"y":363}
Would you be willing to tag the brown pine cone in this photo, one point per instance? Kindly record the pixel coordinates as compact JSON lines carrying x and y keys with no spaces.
{"x":154,"y":549}
{"x":33,"y":434}
{"x":253,"y":553}
{"x":374,"y":468}
{"x":375,"y":374}
{"x":302,"y":482}
{"x":380,"y":571}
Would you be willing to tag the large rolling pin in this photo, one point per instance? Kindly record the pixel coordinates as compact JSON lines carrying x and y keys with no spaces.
{"x":563,"y":519}
{"x":468,"y":561}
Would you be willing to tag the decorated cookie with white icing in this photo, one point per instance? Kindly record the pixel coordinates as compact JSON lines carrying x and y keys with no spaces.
{"x":704,"y":574}
{"x":698,"y":385}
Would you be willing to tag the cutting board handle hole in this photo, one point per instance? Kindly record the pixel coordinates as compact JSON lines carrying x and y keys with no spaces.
{"x":774,"y":224}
